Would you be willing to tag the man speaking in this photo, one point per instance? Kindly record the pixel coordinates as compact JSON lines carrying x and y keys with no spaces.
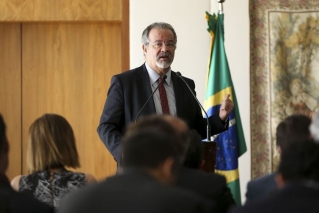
{"x":155,"y":88}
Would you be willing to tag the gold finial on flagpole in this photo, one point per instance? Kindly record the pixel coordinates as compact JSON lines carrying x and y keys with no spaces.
{"x":220,"y":5}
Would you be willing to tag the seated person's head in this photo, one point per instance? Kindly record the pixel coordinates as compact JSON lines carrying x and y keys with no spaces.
{"x":154,"y":152}
{"x":4,"y":147}
{"x":299,"y":163}
{"x":195,"y":153}
{"x":51,"y":144}
{"x":172,"y":126}
{"x":295,"y":128}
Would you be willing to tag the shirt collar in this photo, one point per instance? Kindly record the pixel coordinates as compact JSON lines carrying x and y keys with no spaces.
{"x":154,"y":75}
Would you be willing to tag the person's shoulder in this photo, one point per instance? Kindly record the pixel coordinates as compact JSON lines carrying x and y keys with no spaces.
{"x":95,"y":194}
{"x":185,"y":200}
{"x":260,"y":187}
{"x":133,"y":72}
{"x":202,"y":175}
{"x":15,"y":182}
{"x":25,"y":203}
{"x":277,"y":202}
{"x":90,"y":178}
{"x":185,"y":78}
{"x":242,"y":209}
{"x":270,"y":178}
{"x":81,"y":195}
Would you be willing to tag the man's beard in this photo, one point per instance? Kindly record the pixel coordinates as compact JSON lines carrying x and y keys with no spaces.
{"x":164,"y":63}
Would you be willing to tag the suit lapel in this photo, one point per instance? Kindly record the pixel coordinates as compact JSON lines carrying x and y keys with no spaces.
{"x":145,"y":91}
{"x":179,"y":95}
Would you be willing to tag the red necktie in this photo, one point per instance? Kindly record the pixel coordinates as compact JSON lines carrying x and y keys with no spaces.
{"x":163,"y":96}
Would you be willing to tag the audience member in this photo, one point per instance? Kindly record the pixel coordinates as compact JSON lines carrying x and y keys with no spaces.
{"x":295,"y":128}
{"x":298,"y":179}
{"x":150,"y":161}
{"x":209,"y":185}
{"x":178,"y":130}
{"x":195,"y":153}
{"x":10,"y":200}
{"x":51,"y":148}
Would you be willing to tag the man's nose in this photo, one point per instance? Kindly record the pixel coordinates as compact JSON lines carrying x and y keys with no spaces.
{"x":164,"y":48}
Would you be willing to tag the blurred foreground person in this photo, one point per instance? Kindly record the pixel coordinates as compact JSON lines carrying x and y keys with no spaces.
{"x":295,"y":128}
{"x":51,"y":148}
{"x":151,"y":160}
{"x":10,"y":200}
{"x":208,"y":185}
{"x":298,"y":180}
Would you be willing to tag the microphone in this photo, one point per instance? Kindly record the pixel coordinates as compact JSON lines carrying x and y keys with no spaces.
{"x":208,"y":125}
{"x":164,"y":77}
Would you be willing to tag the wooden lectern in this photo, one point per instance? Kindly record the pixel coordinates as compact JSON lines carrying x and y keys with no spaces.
{"x":209,"y":156}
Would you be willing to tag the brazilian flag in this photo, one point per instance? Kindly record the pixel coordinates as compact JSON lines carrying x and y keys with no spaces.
{"x":231,"y":143}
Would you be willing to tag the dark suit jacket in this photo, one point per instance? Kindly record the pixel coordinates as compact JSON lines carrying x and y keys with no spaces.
{"x":292,"y":198}
{"x":14,"y":202}
{"x":209,"y":185}
{"x":261,"y":187}
{"x":136,"y":192}
{"x":127,"y":94}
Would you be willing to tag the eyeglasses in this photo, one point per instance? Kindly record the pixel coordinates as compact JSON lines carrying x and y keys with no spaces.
{"x":169,"y":45}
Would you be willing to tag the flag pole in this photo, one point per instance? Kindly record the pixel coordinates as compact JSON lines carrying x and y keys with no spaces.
{"x":220,"y":6}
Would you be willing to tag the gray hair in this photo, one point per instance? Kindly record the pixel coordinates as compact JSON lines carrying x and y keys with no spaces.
{"x":314,"y":127}
{"x":157,"y":25}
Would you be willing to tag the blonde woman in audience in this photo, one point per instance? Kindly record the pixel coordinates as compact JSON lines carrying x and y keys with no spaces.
{"x":51,"y":148}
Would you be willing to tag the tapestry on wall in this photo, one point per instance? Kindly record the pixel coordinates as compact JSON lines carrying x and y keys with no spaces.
{"x":284,"y":45}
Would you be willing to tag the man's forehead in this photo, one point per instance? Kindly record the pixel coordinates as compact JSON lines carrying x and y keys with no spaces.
{"x":159,"y":34}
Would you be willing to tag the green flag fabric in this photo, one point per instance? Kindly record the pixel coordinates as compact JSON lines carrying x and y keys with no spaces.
{"x":231,"y":143}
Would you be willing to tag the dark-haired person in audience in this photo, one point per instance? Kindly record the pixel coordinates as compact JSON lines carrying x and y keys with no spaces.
{"x":10,"y":200}
{"x":150,"y":162}
{"x":298,"y":182}
{"x":209,"y":185}
{"x":195,"y":152}
{"x":51,"y":148}
{"x":295,"y":128}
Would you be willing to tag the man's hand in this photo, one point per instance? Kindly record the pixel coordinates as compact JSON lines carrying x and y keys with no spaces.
{"x":226,"y":107}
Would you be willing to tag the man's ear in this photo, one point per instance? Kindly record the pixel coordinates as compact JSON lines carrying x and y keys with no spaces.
{"x":144,"y":49}
{"x":167,"y":168}
{"x":279,"y":180}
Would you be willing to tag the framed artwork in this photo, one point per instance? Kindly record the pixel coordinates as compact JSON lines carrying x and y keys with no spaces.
{"x":284,"y":58}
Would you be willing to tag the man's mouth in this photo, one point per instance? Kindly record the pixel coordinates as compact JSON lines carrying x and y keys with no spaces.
{"x":164,"y":57}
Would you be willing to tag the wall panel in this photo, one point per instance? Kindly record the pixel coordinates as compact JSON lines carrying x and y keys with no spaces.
{"x":66,"y":69}
{"x":10,"y":91}
{"x":61,"y":10}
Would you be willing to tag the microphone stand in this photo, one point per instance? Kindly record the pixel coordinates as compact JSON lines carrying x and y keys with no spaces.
{"x":208,"y":130}
{"x":209,"y":146}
